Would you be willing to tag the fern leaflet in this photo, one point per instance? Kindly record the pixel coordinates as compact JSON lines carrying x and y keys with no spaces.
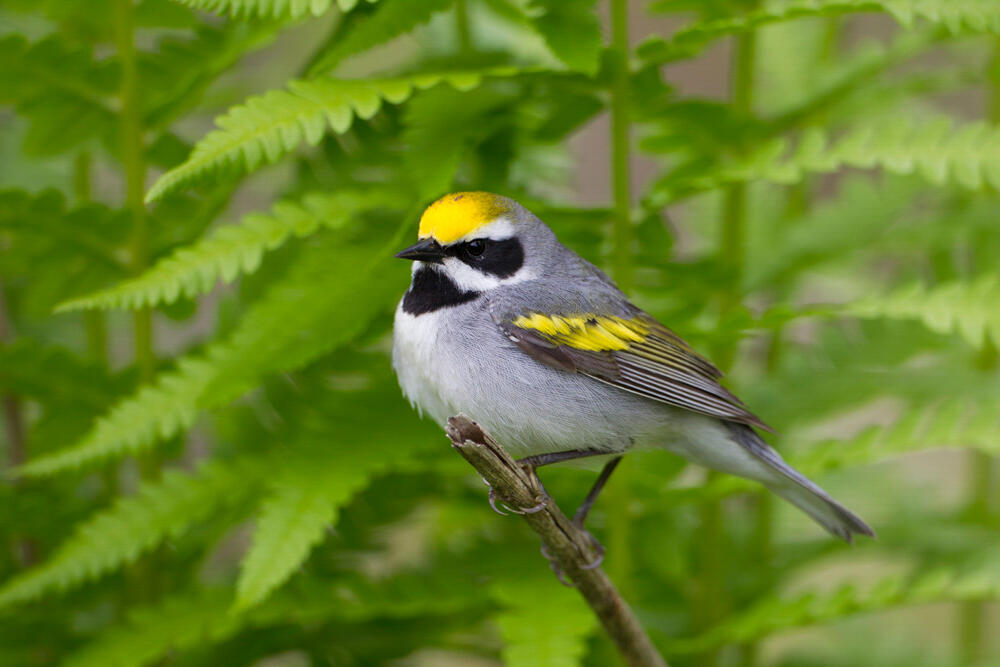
{"x":278,"y":333}
{"x":971,"y":309}
{"x":134,"y":525}
{"x":541,"y":624}
{"x":392,"y":19}
{"x":953,"y":423}
{"x":967,"y":156}
{"x":775,"y":614}
{"x":270,"y":8}
{"x":956,"y":15}
{"x":268,"y":126}
{"x":232,"y":250}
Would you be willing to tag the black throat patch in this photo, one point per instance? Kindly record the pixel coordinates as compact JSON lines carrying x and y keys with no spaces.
{"x":432,"y":290}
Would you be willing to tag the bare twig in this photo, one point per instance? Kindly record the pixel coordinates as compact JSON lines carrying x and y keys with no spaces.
{"x":570,"y":547}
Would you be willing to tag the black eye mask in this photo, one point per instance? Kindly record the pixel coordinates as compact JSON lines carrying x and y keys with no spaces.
{"x":501,"y":258}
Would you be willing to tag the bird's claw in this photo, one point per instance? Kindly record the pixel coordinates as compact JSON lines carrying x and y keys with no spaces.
{"x":531,"y":510}
{"x":492,"y":497}
{"x":555,"y":567}
{"x":597,"y":547}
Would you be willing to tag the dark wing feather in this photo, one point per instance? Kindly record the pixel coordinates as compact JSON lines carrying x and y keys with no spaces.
{"x":660,"y":366}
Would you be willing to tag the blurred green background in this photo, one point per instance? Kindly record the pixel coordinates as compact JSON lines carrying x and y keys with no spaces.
{"x":207,"y":460}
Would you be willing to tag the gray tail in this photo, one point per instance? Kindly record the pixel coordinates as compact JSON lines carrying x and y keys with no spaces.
{"x":794,"y":487}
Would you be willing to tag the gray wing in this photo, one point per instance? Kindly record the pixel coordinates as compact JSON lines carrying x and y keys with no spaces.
{"x":591,"y":328}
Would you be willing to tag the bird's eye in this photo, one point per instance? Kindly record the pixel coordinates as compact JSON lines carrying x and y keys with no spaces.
{"x":476,"y":247}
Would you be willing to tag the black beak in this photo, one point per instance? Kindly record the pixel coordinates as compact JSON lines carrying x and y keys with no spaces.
{"x":427,"y":250}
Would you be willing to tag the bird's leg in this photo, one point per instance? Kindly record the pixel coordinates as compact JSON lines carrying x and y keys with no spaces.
{"x":581,"y":513}
{"x":539,"y":460}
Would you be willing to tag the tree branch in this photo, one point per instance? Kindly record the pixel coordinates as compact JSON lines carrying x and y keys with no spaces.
{"x":570,"y":547}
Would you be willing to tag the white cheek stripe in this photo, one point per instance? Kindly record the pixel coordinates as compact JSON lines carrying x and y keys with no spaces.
{"x":471,"y":280}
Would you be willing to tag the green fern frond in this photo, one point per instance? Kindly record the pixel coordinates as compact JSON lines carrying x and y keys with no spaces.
{"x":775,"y":614}
{"x":268,"y":126}
{"x":971,"y":309}
{"x":48,"y":374}
{"x":392,"y":19}
{"x":160,"y":410}
{"x":334,"y":457}
{"x":962,"y":422}
{"x":234,"y":250}
{"x":277,"y":333}
{"x":270,"y":8}
{"x":968,"y":155}
{"x":91,"y":232}
{"x":571,"y":30}
{"x":178,"y":622}
{"x":541,"y":624}
{"x":952,"y":423}
{"x":955,"y":15}
{"x":292,"y":521}
{"x":134,"y":525}
{"x":65,"y":95}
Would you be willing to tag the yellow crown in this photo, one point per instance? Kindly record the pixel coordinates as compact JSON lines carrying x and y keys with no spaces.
{"x":455,"y":215}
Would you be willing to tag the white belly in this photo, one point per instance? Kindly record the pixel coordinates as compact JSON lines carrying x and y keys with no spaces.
{"x":457,"y":361}
{"x":416,"y":360}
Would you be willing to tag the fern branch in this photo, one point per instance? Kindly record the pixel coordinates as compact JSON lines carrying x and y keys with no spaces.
{"x":278,"y":333}
{"x":955,"y":423}
{"x":49,"y":374}
{"x":134,"y":525}
{"x":332,"y":459}
{"x":955,"y":15}
{"x":268,"y":126}
{"x":811,"y":608}
{"x":971,"y":309}
{"x":275,"y":9}
{"x":391,"y":19}
{"x":159,"y":410}
{"x":540,"y":625}
{"x":967,"y":155}
{"x":233,"y":250}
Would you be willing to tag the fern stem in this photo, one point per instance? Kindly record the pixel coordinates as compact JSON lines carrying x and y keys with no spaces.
{"x":622,"y":232}
{"x":133,"y":160}
{"x":95,"y":325}
{"x":713,"y":602}
{"x":462,"y":27}
{"x":982,"y":473}
{"x":14,"y":433}
{"x":620,"y":563}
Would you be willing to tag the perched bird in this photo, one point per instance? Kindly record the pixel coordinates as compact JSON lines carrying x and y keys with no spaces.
{"x":503,"y":323}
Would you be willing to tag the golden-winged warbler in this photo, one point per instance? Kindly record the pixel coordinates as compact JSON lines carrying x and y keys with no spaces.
{"x":506,"y":325}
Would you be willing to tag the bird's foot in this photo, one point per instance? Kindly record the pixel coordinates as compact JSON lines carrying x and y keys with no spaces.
{"x":555,"y":567}
{"x":538,"y":507}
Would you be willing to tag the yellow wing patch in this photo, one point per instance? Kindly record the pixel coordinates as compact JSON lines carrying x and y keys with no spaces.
{"x":595,"y":333}
{"x":455,"y":215}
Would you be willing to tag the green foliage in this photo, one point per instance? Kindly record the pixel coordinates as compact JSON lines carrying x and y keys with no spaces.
{"x":268,"y":126}
{"x":134,"y":525}
{"x":391,"y":19}
{"x":963,"y":15}
{"x":233,"y":250}
{"x":226,"y":473}
{"x":810,"y":608}
{"x":933,"y":149}
{"x":541,"y":626}
{"x":271,"y":8}
{"x":966,"y":307}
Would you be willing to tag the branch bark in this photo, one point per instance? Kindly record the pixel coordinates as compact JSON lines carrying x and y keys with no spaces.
{"x":570,"y":547}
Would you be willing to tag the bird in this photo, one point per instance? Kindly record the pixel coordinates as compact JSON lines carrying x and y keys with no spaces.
{"x":503,"y":323}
